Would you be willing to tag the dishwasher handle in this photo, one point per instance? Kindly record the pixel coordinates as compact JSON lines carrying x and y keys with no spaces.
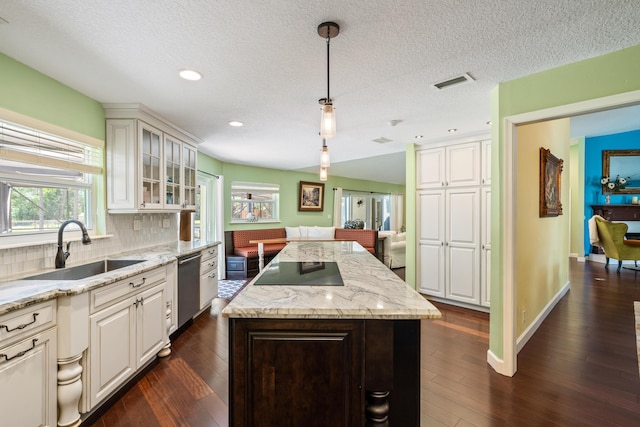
{"x":186,"y":260}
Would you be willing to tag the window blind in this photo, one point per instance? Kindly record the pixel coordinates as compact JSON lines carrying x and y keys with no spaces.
{"x":25,"y":145}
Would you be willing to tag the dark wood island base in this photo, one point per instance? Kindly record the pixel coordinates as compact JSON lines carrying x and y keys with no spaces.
{"x":324,"y":372}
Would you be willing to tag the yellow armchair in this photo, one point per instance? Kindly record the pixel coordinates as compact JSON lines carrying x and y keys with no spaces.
{"x":611,"y":235}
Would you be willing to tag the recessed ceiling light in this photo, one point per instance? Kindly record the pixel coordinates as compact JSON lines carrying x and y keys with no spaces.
{"x":236,"y":123}
{"x":452,"y":130}
{"x":419,"y":136}
{"x":188,"y":74}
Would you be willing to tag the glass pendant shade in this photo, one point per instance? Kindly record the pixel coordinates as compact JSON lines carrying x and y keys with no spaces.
{"x":323,"y":174}
{"x":325,"y":162}
{"x":328,"y":121}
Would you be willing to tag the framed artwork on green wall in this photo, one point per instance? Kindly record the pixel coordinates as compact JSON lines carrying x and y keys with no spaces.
{"x":311,"y":196}
{"x":550,"y":172}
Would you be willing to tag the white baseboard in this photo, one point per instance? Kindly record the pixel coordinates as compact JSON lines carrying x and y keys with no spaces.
{"x":498,"y":364}
{"x":458,"y":303}
{"x":533,"y":327}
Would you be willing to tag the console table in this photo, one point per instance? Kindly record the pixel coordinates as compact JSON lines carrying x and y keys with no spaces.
{"x":617,"y":213}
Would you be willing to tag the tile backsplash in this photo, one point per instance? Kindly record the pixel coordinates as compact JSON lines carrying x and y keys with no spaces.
{"x":150,"y":230}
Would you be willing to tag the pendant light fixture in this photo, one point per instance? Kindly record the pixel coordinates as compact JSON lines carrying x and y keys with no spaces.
{"x":325,"y":161}
{"x":323,"y":174}
{"x":328,"y":30}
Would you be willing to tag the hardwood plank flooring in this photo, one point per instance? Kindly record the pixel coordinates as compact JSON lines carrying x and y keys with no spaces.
{"x":579,"y":369}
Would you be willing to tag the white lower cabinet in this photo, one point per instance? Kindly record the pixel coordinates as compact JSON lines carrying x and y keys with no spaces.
{"x":208,"y":276}
{"x":449,"y":235}
{"x":123,"y":337}
{"x":28,"y":381}
{"x":28,"y":366}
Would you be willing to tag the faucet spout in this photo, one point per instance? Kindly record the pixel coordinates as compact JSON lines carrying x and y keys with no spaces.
{"x":62,"y":255}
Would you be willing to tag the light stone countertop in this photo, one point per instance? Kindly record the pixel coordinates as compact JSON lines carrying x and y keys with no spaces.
{"x":370,"y":291}
{"x":17,"y":293}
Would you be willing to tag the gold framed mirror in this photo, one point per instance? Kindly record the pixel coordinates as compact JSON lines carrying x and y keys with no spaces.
{"x":622,"y":164}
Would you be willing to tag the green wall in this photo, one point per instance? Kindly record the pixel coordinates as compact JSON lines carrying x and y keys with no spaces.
{"x":28,"y":92}
{"x":611,"y":74}
{"x":289,"y":184}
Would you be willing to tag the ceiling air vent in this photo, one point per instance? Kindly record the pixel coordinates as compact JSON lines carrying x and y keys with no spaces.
{"x":382,"y":140}
{"x":453,"y":81}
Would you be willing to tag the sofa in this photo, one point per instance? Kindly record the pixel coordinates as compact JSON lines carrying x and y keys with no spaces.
{"x":395,"y":244}
{"x":242,"y":256}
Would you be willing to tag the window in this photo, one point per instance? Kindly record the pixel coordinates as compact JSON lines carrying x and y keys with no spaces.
{"x":45,"y":179}
{"x":254,"y":202}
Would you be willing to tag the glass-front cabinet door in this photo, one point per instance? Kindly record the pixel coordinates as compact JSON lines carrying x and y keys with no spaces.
{"x":172,"y":161}
{"x":189,"y":170}
{"x":151,"y":158}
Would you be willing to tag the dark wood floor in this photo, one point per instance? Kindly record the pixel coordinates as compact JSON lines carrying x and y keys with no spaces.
{"x":579,"y":369}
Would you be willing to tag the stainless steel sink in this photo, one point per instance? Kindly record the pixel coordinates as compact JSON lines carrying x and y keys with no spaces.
{"x":86,"y":270}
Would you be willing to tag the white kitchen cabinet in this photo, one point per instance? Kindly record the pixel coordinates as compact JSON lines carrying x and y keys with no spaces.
{"x":449,"y":221}
{"x":448,"y":166}
{"x":485,"y":246}
{"x":127,"y":329}
{"x":430,"y":168}
{"x":189,"y":173}
{"x":486,"y":162}
{"x":431,"y":239}
{"x":208,"y":276}
{"x":449,"y":244}
{"x":28,"y":368}
{"x":462,"y":246}
{"x":151,"y":164}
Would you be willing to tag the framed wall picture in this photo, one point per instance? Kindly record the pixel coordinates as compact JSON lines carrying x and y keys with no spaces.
{"x":311,"y":196}
{"x":550,"y":172}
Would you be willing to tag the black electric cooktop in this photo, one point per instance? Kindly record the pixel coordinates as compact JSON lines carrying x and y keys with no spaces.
{"x":301,"y":274}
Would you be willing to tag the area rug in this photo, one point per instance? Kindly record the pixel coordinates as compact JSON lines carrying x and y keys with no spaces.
{"x":227,"y":289}
{"x":636,"y":309}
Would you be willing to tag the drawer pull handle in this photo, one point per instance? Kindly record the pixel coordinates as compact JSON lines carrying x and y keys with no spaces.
{"x":212,"y":276}
{"x":22,"y":353}
{"x":212,"y":264}
{"x":24,"y":325}
{"x":133,"y":285}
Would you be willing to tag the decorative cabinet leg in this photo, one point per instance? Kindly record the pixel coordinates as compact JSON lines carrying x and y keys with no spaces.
{"x":166,"y":350}
{"x":69,"y":391}
{"x":377,"y":409}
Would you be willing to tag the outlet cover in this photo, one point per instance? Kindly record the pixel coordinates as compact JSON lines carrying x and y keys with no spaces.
{"x":137,"y":225}
{"x":166,"y":223}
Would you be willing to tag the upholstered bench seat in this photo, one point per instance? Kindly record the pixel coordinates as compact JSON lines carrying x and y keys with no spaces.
{"x":252,"y":251}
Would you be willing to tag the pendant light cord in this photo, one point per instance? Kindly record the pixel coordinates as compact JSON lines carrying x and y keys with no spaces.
{"x":328,"y":44}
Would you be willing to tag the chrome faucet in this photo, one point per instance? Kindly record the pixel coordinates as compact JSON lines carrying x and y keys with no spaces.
{"x":61,"y":257}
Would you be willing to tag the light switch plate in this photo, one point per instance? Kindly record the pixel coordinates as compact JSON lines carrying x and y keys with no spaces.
{"x":166,"y":223}
{"x":137,"y":225}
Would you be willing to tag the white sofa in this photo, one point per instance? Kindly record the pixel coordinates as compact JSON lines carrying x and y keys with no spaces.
{"x":394,"y":248}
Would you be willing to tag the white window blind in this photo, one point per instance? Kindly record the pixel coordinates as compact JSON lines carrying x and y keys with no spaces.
{"x":25,"y":145}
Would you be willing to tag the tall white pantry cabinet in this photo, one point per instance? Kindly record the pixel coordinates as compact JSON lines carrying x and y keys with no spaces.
{"x":454,"y":205}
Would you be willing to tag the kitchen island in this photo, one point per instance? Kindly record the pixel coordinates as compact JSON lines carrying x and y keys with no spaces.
{"x":309,"y":347}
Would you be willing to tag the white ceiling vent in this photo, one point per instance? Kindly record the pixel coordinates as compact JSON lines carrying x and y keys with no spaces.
{"x":464,"y":78}
{"x":382,"y":140}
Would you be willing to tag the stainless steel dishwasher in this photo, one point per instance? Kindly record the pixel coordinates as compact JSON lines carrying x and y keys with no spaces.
{"x":188,"y":287}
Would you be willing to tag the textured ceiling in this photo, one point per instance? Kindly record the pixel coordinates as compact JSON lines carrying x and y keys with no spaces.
{"x":265,"y":65}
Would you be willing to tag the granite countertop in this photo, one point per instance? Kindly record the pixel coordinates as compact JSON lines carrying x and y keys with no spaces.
{"x":17,"y":292}
{"x":370,"y":291}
